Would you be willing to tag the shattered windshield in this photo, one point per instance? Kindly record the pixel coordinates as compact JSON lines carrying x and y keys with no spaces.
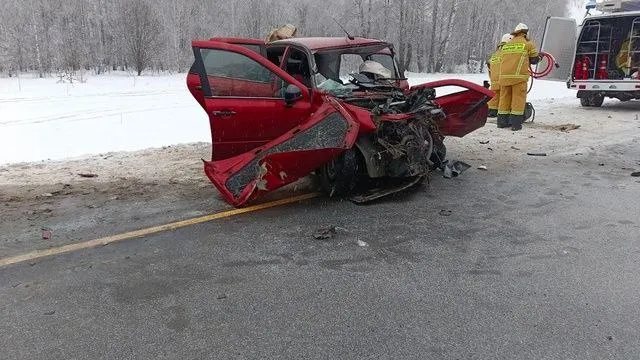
{"x":335,"y":67}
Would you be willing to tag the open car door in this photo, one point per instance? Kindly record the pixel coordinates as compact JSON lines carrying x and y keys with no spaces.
{"x":466,"y":110}
{"x":243,"y":95}
{"x":271,"y":101}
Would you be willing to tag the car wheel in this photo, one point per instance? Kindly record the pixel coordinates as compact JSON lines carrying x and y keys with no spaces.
{"x":339,"y":176}
{"x":585,"y":102}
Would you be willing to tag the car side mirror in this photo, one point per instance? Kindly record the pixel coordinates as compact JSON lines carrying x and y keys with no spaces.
{"x":292,"y":94}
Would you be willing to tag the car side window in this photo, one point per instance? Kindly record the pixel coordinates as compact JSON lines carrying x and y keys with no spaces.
{"x":232,"y":74}
{"x":297,"y":65}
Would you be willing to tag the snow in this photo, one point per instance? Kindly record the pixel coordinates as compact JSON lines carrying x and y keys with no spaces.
{"x":42,"y":119}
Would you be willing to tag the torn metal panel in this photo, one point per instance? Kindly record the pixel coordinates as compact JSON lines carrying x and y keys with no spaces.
{"x":466,"y":111}
{"x":285,"y":159}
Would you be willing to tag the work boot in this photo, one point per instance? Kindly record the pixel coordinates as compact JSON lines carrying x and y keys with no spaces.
{"x":516,"y":122}
{"x":503,"y":121}
{"x":493,"y":113}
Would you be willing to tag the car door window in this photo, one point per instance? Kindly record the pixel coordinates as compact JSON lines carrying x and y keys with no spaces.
{"x":297,"y":65}
{"x":231,"y":74}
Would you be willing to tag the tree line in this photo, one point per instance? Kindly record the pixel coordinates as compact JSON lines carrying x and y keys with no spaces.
{"x":51,"y":36}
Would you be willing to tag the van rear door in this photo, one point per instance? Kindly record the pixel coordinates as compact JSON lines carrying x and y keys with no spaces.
{"x":559,"y":39}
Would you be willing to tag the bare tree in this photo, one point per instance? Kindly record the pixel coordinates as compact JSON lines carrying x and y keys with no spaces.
{"x":141,"y":30}
{"x":43,"y":36}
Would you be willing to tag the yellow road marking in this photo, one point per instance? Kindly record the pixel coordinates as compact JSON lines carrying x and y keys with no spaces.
{"x":142,"y":232}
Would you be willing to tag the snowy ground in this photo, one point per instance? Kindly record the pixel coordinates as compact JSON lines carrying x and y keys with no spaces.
{"x":41,"y":119}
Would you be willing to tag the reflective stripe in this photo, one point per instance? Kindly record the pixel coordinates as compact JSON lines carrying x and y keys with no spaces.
{"x":515,"y":48}
{"x":514,"y":76}
{"x":495,"y":59}
{"x":503,"y":112}
{"x":517,"y":113}
{"x":520,"y":65}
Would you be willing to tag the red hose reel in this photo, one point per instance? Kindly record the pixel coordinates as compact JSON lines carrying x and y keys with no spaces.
{"x":551,"y":62}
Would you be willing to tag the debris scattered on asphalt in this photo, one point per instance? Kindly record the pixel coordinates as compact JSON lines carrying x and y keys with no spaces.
{"x":534,"y":153}
{"x":47,"y":195}
{"x":362,"y":243}
{"x":601,"y":164}
{"x":15,"y":285}
{"x":610,"y":338}
{"x":483,"y":142}
{"x":50,"y":312}
{"x":482,"y":167}
{"x":87,"y":175}
{"x":563,"y":127}
{"x":610,"y":117}
{"x":222,"y":296}
{"x":445,"y":212}
{"x":635,"y":174}
{"x":453,"y":169}
{"x":91,"y":206}
{"x":325,"y":233}
{"x":515,"y":148}
{"x":490,"y":149}
{"x":113,"y":198}
{"x":46,"y":234}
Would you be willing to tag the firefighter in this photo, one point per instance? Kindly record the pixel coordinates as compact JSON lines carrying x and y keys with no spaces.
{"x":494,"y":75}
{"x":517,"y":55}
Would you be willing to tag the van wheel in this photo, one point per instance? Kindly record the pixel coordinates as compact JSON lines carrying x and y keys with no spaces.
{"x":585,"y":102}
{"x":596,"y":100}
{"x":339,"y":176}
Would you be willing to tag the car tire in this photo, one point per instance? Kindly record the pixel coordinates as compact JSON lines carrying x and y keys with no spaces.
{"x":596,"y":100}
{"x":585,"y":102}
{"x":339,"y":177}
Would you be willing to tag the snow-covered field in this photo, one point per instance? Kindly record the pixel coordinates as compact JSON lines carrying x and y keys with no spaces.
{"x":42,"y":119}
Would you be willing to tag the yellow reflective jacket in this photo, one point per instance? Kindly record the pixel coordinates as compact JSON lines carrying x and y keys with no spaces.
{"x":494,"y":67}
{"x":625,"y":62}
{"x":514,"y":68}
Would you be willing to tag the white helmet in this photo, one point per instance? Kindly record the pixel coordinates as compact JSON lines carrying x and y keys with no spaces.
{"x":521,"y":27}
{"x":506,"y":38}
{"x":374,"y":67}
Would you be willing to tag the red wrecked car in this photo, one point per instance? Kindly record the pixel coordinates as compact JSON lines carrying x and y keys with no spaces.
{"x":337,"y":107}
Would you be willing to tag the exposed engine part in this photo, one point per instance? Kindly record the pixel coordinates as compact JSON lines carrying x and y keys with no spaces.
{"x":404,"y":147}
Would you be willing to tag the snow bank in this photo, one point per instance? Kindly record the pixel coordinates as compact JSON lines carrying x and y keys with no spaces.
{"x":42,"y":119}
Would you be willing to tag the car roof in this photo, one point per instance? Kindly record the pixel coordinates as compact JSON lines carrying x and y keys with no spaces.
{"x":323,"y":43}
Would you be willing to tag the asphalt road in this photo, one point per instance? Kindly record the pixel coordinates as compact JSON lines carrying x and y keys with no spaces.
{"x":534,"y":261}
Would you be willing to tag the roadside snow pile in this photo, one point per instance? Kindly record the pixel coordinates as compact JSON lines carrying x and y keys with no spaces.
{"x":43,"y":119}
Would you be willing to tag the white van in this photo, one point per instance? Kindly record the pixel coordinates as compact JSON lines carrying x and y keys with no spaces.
{"x":604,"y":52}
